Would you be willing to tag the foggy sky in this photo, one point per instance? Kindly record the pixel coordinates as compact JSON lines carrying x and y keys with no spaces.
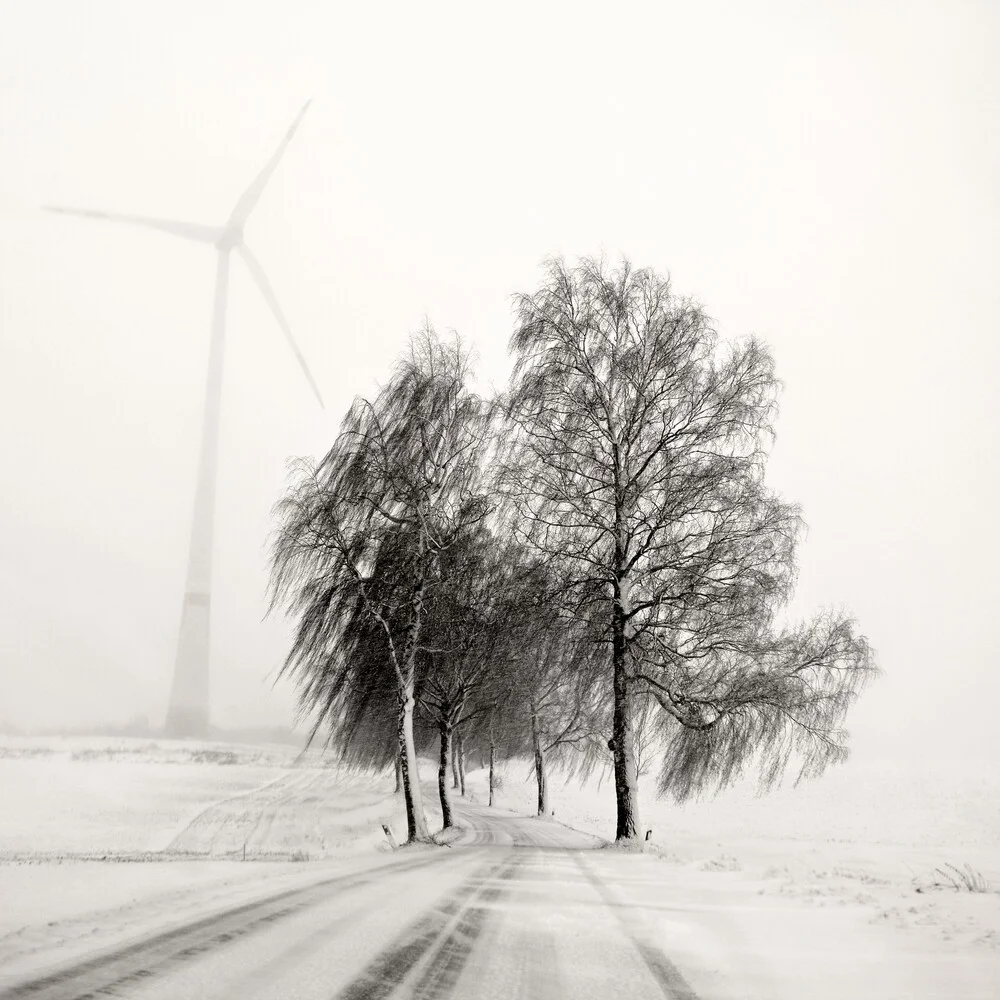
{"x":821,"y":175}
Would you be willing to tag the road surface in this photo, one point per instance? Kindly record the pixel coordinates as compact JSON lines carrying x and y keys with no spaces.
{"x":517,"y":908}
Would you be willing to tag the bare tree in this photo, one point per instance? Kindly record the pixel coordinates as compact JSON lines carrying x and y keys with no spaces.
{"x":463,"y":616}
{"x":360,"y":538}
{"x":562,"y":680}
{"x":496,"y":728}
{"x":497,"y":740}
{"x":555,"y":678}
{"x":640,"y":449}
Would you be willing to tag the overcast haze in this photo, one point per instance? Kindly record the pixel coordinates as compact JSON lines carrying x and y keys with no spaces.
{"x":821,"y":175}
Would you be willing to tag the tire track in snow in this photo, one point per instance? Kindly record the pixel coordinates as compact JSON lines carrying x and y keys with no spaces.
{"x":164,"y":841}
{"x":223,"y":812}
{"x":481,"y":826}
{"x":669,"y":978}
{"x":449,"y":931}
{"x":263,"y":818}
{"x":441,"y":976}
{"x":154,"y":955}
{"x":535,"y":970}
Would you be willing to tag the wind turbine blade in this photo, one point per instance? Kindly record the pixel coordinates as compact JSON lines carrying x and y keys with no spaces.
{"x":251,"y":196}
{"x":260,"y":280}
{"x":186,"y":230}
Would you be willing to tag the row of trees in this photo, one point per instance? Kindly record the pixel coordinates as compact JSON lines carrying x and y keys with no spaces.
{"x":590,"y":565}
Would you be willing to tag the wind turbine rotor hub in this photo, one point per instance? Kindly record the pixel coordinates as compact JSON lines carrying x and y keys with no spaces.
{"x":232,"y":237}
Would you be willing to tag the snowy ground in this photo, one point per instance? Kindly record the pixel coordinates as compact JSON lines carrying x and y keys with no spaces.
{"x":101,"y":838}
{"x":867,"y":838}
{"x":93,"y":797}
{"x":808,"y":889}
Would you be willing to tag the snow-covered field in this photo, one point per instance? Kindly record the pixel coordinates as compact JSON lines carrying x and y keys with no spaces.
{"x":94,"y":797}
{"x":126,"y":799}
{"x":102,"y":839}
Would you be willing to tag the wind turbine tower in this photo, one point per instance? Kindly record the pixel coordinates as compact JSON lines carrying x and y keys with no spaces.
{"x":188,"y":713}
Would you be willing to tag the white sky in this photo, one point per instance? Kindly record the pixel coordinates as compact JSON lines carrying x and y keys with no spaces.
{"x":823,"y":175}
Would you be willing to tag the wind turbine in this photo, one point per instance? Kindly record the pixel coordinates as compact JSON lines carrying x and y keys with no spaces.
{"x":188,"y":711}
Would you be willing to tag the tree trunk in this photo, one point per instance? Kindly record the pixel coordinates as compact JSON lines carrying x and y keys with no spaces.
{"x":493,"y":769}
{"x":455,"y":783}
{"x":445,"y":757}
{"x":540,"y":776}
{"x":622,"y":742}
{"x":461,"y":763}
{"x":416,"y":821}
{"x":399,"y":776}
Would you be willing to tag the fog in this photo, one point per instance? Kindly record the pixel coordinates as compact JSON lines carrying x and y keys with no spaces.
{"x":823,"y":176}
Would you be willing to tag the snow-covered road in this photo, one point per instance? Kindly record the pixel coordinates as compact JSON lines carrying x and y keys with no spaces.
{"x":517,"y":907}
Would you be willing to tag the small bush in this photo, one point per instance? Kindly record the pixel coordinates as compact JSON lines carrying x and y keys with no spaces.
{"x":214,"y":757}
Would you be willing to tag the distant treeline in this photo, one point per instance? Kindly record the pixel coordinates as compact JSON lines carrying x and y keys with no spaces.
{"x":140,"y":728}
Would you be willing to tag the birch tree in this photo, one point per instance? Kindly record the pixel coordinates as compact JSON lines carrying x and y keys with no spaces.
{"x":361,"y":536}
{"x":640,"y":442}
{"x":463,"y":619}
{"x":556,"y":690}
